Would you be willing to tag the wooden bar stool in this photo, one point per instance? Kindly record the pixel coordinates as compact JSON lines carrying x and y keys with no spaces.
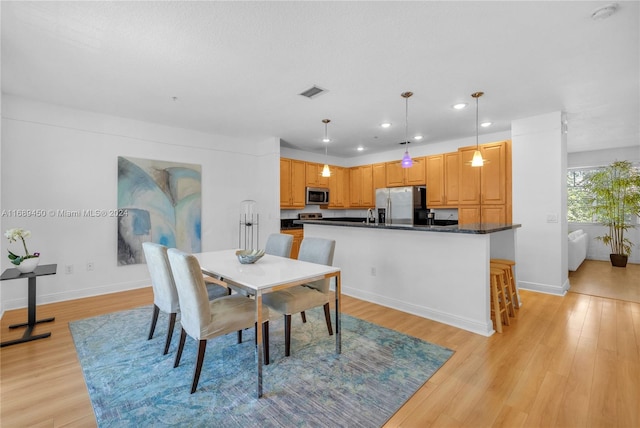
{"x":499,"y":307}
{"x":512,"y":280}
{"x":505,"y":282}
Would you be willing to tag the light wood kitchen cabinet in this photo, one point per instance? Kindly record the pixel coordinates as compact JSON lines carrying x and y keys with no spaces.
{"x":451,"y":179}
{"x":469,"y":192}
{"x":337,"y":187}
{"x":292,"y":184}
{"x":398,"y":176}
{"x":493,"y":176}
{"x":442,"y":180}
{"x":490,"y":183}
{"x":416,"y":175}
{"x":313,"y":175}
{"x":468,"y":214}
{"x":297,"y":234}
{"x":379,"y":176}
{"x":482,"y":214}
{"x":435,"y":181}
{"x":485,"y":192}
{"x":361,"y":186}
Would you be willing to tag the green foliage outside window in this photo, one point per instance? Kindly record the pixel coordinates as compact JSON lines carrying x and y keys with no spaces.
{"x":578,"y":208}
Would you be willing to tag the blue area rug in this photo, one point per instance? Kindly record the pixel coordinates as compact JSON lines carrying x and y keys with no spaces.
{"x":131,"y":383}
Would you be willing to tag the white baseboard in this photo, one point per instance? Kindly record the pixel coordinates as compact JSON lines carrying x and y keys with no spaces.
{"x":545,"y":288}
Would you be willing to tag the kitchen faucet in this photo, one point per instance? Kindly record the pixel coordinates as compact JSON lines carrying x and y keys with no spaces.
{"x":370,"y":215}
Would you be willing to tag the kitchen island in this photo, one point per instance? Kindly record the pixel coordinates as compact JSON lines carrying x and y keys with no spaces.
{"x":437,"y":272}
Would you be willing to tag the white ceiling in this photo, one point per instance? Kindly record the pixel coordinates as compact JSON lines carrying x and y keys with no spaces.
{"x":237,"y":68}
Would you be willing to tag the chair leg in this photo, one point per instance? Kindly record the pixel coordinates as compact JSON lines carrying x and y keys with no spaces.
{"x":183,"y":337}
{"x":196,"y":374}
{"x":154,"y":320}
{"x":172,"y":322}
{"x":239,"y":336}
{"x":304,"y":316}
{"x":287,"y":335}
{"x":327,"y":317}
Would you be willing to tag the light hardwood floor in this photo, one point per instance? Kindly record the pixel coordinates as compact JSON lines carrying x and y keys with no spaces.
{"x":599,"y":278}
{"x":570,"y":361}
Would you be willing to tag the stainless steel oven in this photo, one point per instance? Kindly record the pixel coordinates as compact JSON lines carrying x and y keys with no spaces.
{"x":317,"y":196}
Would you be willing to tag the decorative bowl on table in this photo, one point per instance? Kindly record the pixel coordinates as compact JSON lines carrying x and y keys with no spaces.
{"x":249,"y":256}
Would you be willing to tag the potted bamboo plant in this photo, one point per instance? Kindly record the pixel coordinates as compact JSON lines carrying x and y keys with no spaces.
{"x":614,"y":196}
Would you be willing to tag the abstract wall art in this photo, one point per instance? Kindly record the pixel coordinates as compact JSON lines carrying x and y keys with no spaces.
{"x":160,"y":202}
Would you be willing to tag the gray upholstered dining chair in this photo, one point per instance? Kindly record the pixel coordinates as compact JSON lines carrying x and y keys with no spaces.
{"x":279,"y":244}
{"x":203,"y":319}
{"x":165,"y":295}
{"x":300,"y":298}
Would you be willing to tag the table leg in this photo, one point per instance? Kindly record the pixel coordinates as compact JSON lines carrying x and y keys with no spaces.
{"x":338,"y":326}
{"x":31,"y":319}
{"x":259,"y":347}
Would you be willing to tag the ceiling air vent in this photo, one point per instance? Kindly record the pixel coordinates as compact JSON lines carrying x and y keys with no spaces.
{"x":312,"y":92}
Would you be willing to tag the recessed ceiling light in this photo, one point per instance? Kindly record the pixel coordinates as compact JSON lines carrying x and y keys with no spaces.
{"x":360,"y":148}
{"x":418,"y":137}
{"x":486,"y":124}
{"x":385,"y":124}
{"x":459,"y":106}
{"x":326,"y":140}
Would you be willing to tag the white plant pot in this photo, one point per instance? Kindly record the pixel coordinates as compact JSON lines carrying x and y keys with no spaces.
{"x":28,"y":265}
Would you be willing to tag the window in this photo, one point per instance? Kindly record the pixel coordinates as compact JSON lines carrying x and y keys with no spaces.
{"x":578,"y":210}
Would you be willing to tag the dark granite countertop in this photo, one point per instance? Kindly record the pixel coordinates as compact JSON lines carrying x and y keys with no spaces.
{"x":475,"y":228}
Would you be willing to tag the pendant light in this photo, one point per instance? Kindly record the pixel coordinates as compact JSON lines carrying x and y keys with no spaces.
{"x":477,"y":156}
{"x":326,"y":172}
{"x":406,"y":162}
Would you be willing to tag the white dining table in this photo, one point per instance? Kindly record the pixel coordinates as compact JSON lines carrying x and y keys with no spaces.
{"x":268,"y":274}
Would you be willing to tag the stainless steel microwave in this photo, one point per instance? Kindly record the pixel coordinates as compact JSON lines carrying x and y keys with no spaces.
{"x":317,"y":196}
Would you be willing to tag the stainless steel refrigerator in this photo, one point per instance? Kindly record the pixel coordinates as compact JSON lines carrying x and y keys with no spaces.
{"x":397,"y":205}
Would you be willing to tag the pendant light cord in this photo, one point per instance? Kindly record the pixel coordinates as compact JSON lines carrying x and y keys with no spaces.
{"x":406,"y":122}
{"x":477,"y":123}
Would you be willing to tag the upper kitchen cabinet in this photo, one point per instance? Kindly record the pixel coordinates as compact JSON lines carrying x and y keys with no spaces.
{"x":442,"y":180}
{"x":361,"y":186}
{"x":338,"y":187}
{"x":379,"y":176}
{"x":398,"y":176}
{"x":313,"y":175}
{"x":494,"y":179}
{"x":292,"y":183}
{"x":485,"y":192}
{"x":490,"y":183}
{"x":469,"y":192}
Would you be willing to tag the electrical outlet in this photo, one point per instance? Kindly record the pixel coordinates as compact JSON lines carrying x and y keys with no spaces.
{"x":68,"y":269}
{"x":89,"y":265}
{"x":373,"y":271}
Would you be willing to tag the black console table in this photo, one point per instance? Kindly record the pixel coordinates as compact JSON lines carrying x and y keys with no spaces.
{"x":31,"y":322}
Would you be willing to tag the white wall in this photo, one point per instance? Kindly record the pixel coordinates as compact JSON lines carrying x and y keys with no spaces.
{"x":57,"y":158}
{"x":602,"y":157}
{"x":539,"y":162}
